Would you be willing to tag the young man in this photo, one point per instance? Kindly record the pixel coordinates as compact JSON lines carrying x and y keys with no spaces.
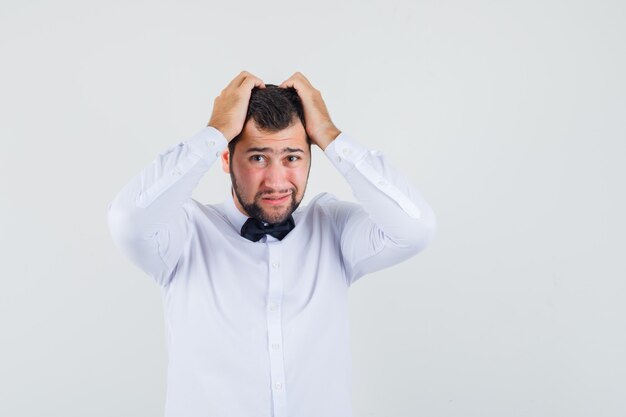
{"x":255,"y":290}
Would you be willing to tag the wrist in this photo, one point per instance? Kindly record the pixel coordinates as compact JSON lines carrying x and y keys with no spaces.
{"x":223,"y":131}
{"x":327,"y":137}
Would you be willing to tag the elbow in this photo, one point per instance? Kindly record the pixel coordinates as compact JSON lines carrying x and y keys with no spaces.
{"x":426,"y":229}
{"x":417,"y":234}
{"x":119,"y":224}
{"x":124,"y":220}
{"x":424,"y":233}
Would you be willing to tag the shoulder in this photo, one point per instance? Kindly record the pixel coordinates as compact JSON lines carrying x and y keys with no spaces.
{"x":329,"y":206}
{"x":211,"y":211}
{"x":319,"y":202}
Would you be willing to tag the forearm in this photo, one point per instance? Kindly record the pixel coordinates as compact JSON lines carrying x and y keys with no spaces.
{"x":392,"y":202}
{"x":146,"y":218}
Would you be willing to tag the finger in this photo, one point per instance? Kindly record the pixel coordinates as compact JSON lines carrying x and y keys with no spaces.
{"x":257,"y":80}
{"x":301,"y":88}
{"x":236,"y":82}
{"x":304,"y":79}
{"x":251,"y":81}
{"x":294,"y":82}
{"x":298,"y":76}
{"x":288,"y":82}
{"x":297,"y":81}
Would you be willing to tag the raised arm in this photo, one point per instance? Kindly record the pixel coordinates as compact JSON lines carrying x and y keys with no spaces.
{"x":148,"y":218}
{"x":393,"y":221}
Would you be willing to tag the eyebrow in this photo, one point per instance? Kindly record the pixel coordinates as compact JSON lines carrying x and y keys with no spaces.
{"x":270,"y":150}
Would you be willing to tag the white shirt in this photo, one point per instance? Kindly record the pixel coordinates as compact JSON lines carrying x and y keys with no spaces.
{"x":260,"y":329}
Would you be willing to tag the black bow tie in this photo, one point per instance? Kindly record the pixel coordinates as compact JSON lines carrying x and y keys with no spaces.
{"x":254,"y":229}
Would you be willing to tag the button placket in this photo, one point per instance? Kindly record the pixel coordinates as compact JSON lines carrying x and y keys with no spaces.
{"x":274,"y":329}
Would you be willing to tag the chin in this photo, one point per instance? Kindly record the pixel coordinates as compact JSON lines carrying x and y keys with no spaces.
{"x":276,"y":216}
{"x":279,"y":214}
{"x":271,"y":213}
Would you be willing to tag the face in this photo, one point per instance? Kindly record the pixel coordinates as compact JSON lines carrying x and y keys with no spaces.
{"x":269,"y":171}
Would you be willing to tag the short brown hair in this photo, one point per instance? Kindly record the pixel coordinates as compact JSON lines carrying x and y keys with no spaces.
{"x":272,"y":109}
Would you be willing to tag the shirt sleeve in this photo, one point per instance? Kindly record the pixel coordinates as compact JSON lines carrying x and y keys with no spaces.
{"x":147,"y":219}
{"x":392,"y":221}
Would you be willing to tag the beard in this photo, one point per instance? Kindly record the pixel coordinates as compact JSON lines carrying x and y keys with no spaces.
{"x":254,"y":209}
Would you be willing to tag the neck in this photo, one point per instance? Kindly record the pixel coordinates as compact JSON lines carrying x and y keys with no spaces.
{"x":237,"y":203}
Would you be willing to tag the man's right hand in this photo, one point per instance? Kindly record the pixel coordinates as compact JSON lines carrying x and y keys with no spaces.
{"x":231,"y":106}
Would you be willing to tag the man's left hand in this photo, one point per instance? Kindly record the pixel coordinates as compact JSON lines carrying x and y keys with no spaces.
{"x":319,"y":126}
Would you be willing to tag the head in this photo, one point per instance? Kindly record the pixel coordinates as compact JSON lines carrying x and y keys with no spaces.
{"x":269,"y":161}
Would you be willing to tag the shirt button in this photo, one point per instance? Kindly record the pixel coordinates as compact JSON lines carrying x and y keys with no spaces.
{"x":276,"y":264}
{"x":212,"y":143}
{"x":382,"y":183}
{"x":338,"y":158}
{"x":278,"y":385}
{"x":273,"y":307}
{"x":176,"y":172}
{"x":347,"y":151}
{"x":275,"y":346}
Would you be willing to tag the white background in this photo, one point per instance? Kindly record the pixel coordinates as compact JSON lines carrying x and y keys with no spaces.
{"x":508,"y":116}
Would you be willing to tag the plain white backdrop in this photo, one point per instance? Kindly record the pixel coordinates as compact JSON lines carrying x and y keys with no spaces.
{"x":508,"y":116}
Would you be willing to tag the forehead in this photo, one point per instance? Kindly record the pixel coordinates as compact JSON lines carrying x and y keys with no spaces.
{"x":293,"y":136}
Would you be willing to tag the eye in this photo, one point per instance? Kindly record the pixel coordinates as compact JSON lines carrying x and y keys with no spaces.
{"x":257,"y":158}
{"x":293,"y":158}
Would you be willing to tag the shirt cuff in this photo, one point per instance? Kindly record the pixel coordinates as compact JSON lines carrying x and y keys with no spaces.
{"x":207,"y":143}
{"x":344,"y":153}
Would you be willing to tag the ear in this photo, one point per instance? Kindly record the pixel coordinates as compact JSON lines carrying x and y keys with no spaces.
{"x":225,"y":157}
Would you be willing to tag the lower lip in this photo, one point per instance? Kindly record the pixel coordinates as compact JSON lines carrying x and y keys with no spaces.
{"x":278,"y":201}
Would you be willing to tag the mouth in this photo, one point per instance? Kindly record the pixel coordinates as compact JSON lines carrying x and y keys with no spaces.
{"x":276,"y":199}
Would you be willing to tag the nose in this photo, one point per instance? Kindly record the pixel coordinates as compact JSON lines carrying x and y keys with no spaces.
{"x":275,"y":178}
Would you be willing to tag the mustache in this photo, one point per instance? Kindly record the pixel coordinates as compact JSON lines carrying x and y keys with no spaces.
{"x":266,"y":193}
